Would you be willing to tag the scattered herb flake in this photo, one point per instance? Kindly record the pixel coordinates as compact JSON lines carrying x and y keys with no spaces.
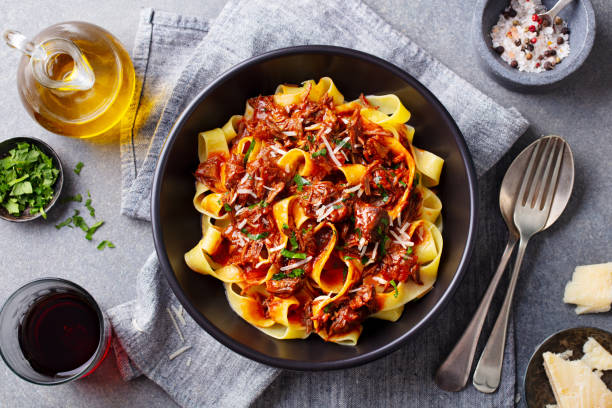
{"x":338,"y":206}
{"x":408,"y":252}
{"x":65,"y":223}
{"x":227,"y":207}
{"x":293,"y":241}
{"x":76,"y":198}
{"x":327,"y":309}
{"x":92,"y":230}
{"x":78,"y":168}
{"x":348,"y":258}
{"x":364,"y":260}
{"x":105,"y":244}
{"x":401,"y":182}
{"x":92,"y":211}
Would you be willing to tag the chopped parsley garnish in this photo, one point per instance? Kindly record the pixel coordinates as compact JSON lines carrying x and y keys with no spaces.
{"x":348,"y":258}
{"x":261,"y":203}
{"x":78,"y":168}
{"x":383,"y":243}
{"x":254,"y":237}
{"x":92,"y":211}
{"x":300,"y":181}
{"x":293,"y":241}
{"x":327,"y":309}
{"x":311,"y":138}
{"x":408,"y":252}
{"x":296,"y":273}
{"x":415,"y":182}
{"x":364,"y":260}
{"x":227,"y":207}
{"x":79,"y":222}
{"x":306,"y":230}
{"x":105,"y":244}
{"x":384,"y":195}
{"x":285,"y":226}
{"x":76,"y":198}
{"x":321,"y":152}
{"x":248,"y":152}
{"x":358,"y":232}
{"x":396,"y":292}
{"x":250,"y":177}
{"x":306,"y":148}
{"x":344,"y":272}
{"x":293,"y":255}
{"x":401,"y":182}
{"x":338,"y":206}
{"x":27,"y":176}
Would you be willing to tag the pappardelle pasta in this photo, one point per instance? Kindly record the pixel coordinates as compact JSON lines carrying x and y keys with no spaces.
{"x":317,"y":213}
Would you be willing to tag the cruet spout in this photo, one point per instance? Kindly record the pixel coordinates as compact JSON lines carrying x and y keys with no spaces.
{"x":56,"y":63}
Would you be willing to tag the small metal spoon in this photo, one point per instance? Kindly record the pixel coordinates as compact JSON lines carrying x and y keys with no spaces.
{"x":540,"y":188}
{"x":552,"y":13}
{"x":454,"y":372}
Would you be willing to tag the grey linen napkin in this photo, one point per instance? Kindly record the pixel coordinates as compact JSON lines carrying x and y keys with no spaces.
{"x":156,"y":338}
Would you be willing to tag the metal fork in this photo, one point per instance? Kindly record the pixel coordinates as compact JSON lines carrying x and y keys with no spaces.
{"x":531,"y":212}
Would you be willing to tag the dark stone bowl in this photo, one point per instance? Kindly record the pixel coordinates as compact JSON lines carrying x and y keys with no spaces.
{"x":536,"y":386}
{"x":580,"y":19}
{"x":176,"y":224}
{"x":9,"y":144}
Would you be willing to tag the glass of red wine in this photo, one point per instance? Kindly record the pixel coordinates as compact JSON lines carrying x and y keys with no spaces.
{"x":52,"y":331}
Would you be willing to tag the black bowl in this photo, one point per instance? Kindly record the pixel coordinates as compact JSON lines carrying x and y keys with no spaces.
{"x":176,"y":224}
{"x":9,"y":144}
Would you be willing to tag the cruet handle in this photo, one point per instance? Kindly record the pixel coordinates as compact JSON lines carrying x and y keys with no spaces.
{"x":80,"y":78}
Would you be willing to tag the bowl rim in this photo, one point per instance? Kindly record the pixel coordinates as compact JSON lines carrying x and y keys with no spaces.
{"x":297,"y":364}
{"x":500,"y":70}
{"x":57,"y":186}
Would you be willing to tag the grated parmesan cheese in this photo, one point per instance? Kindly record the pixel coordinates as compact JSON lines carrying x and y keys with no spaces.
{"x":295,"y":265}
{"x":246,"y":191}
{"x":330,"y":150}
{"x":178,"y":330}
{"x":178,"y":352}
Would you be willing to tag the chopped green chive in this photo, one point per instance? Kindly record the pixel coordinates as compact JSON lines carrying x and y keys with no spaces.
{"x":92,"y":211}
{"x":76,"y":198}
{"x":105,"y":244}
{"x":321,"y":152}
{"x":293,"y":241}
{"x":401,"y":182}
{"x":249,"y":151}
{"x":348,"y":258}
{"x":65,"y":223}
{"x":78,"y":168}
{"x":396,"y":293}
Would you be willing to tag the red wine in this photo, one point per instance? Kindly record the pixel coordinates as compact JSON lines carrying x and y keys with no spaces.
{"x":59,"y":333}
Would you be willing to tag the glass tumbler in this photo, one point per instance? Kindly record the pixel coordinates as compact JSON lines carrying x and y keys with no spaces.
{"x":30,"y":320}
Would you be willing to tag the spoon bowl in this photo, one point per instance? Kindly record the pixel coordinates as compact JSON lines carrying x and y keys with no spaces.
{"x":512,"y":182}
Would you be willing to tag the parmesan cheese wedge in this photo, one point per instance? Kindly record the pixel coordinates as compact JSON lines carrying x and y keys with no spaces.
{"x":574,"y":384}
{"x":590,"y":288}
{"x":596,"y":356}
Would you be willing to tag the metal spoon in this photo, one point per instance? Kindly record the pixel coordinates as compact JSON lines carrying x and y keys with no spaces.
{"x":455,"y":371}
{"x":552,"y":13}
{"x":541,"y":186}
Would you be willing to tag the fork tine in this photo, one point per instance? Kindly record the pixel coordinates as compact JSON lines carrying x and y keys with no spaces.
{"x":550,"y":160}
{"x":527,"y":175}
{"x":554,"y":179}
{"x":538,"y":180}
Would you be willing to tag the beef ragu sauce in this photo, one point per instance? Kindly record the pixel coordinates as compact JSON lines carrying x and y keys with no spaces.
{"x":253,"y":184}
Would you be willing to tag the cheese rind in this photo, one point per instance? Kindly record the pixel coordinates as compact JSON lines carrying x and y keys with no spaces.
{"x":590,"y":288}
{"x":574,"y":384}
{"x":596,"y":356}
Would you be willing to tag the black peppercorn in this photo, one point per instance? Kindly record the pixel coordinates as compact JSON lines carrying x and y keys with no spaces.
{"x":514,"y":63}
{"x":548,"y":65}
{"x":546,"y":21}
{"x":560,"y":40}
{"x":550,"y":53}
{"x":540,"y":57}
{"x":517,"y":42}
{"x":530,"y":47}
{"x":512,"y":12}
{"x":499,"y":49}
{"x":565,"y":30}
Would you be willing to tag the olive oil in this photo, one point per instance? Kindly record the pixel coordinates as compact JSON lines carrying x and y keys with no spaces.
{"x":76,"y":80}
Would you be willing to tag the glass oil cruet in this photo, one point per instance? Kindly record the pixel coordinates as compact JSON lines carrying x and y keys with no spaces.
{"x":74,"y":78}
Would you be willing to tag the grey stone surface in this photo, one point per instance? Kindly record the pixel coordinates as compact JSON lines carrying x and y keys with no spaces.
{"x":578,"y":111}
